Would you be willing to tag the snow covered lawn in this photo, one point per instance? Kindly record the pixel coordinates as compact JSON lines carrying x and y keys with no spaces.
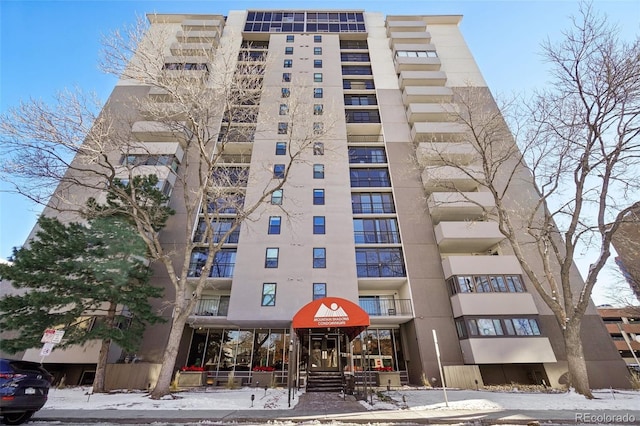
{"x":80,"y":398}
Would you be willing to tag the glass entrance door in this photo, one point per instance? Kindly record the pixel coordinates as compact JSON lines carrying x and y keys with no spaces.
{"x":324,"y":350}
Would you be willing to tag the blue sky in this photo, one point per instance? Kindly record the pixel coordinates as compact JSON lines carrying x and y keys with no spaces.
{"x":46,"y":46}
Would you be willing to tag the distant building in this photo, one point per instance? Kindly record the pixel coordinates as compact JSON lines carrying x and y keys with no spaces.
{"x":623,"y":324}
{"x":382,"y":253}
{"x":626,"y":241}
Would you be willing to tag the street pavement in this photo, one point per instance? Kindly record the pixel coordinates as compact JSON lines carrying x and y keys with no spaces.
{"x":335,"y":409}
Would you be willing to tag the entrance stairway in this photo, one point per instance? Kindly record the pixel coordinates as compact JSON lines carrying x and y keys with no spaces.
{"x":324,"y":381}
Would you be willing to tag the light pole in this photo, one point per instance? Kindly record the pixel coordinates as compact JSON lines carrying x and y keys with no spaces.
{"x":444,"y":386}
{"x":289,"y":369}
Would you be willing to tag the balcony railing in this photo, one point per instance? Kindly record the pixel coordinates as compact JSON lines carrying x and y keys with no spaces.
{"x":364,"y":138}
{"x":213,"y":306}
{"x":385,"y":307}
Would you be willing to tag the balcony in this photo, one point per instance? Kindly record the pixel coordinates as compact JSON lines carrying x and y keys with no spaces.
{"x":203,"y":24}
{"x":405,"y":26}
{"x":195,"y":36}
{"x":351,"y":138}
{"x":438,"y":132}
{"x":156,"y":131}
{"x":507,"y":350}
{"x":387,"y":311}
{"x":431,"y":112}
{"x":456,"y":206}
{"x":212,"y":306}
{"x":481,"y":265}
{"x":493,"y":304}
{"x":433,"y":94}
{"x":626,"y":327}
{"x":192,"y":49}
{"x":422,"y":78}
{"x":466,"y":237}
{"x":433,"y":153}
{"x":417,"y":64}
{"x":450,"y":179}
{"x":235,"y":159}
{"x":409,"y":37}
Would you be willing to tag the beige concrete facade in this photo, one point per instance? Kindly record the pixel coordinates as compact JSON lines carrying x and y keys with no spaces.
{"x":387,"y":92}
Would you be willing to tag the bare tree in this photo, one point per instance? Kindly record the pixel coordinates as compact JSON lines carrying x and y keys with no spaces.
{"x":202,"y":99}
{"x":577,"y":144}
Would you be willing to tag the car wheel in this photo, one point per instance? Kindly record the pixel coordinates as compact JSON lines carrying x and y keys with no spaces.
{"x":16,"y":418}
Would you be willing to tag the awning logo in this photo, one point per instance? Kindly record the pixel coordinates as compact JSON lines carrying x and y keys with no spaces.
{"x":333,"y":315}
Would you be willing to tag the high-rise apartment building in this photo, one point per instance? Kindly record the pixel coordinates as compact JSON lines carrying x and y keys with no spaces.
{"x":372,"y":244}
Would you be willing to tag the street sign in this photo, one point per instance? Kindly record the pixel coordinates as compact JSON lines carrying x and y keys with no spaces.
{"x":52,"y":335}
{"x":46,"y":349}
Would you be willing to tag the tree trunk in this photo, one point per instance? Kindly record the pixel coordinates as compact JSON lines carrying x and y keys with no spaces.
{"x":101,"y":366}
{"x":163,"y":386}
{"x":578,"y":377}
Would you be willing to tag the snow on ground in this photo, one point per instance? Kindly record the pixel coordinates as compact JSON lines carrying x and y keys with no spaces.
{"x":486,"y":400}
{"x":80,"y":398}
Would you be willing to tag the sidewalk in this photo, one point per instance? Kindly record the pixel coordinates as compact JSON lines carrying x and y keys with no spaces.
{"x":330,"y":407}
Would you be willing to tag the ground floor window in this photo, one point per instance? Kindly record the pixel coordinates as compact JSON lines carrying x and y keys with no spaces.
{"x":379,"y":349}
{"x":233,"y":349}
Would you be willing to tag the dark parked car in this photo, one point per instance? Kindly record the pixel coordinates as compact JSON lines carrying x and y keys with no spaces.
{"x":24,"y":387}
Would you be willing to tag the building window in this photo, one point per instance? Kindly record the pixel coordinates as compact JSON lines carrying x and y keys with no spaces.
{"x":362,"y":116}
{"x":318,"y":147}
{"x":317,"y":39}
{"x":288,"y":50}
{"x":288,"y":63}
{"x":317,"y":92}
{"x":317,"y":63}
{"x":271,"y":258}
{"x":369,"y":178}
{"x":318,"y":109}
{"x":356,"y":70}
{"x":319,"y":290}
{"x":416,"y":54}
{"x":219,"y":229}
{"x":319,"y":225}
{"x":490,"y":327}
{"x":223,"y":263}
{"x":284,"y":109}
{"x":285,"y":92}
{"x":317,"y":77}
{"x":380,"y":262}
{"x":486,"y":284}
{"x":372,"y":202}
{"x":286,"y":76}
{"x":376,"y":231}
{"x":354,"y":57}
{"x":278,"y":171}
{"x":360,"y":100}
{"x":318,"y":171}
{"x":276,"y":197}
{"x":358,"y":84}
{"x":364,"y":155}
{"x":274,"y":224}
{"x":290,"y":39}
{"x":318,"y":197}
{"x":283,"y":128}
{"x":269,"y":294}
{"x":318,"y":128}
{"x":319,"y":257}
{"x":317,"y":50}
{"x":281,"y":148}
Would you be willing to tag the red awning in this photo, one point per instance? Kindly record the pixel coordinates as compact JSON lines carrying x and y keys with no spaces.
{"x":332,"y":312}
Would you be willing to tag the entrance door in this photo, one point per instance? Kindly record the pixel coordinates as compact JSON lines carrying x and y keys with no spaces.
{"x":324,"y":352}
